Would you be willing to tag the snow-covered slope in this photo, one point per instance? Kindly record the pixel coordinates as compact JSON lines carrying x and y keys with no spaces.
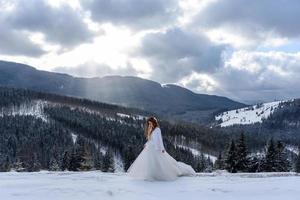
{"x":196,"y":152}
{"x":34,"y":108}
{"x":96,"y":185}
{"x":247,"y":115}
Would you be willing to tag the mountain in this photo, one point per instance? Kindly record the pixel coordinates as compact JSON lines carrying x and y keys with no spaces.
{"x":278,"y":119}
{"x":286,"y":110}
{"x":49,"y":131}
{"x":53,"y":132}
{"x":248,"y":115}
{"x":168,"y":100}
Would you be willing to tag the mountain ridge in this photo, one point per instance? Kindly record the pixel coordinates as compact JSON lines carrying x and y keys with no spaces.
{"x":170,"y":100}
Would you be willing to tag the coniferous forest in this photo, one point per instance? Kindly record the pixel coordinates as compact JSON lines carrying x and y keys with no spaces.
{"x":42,"y":131}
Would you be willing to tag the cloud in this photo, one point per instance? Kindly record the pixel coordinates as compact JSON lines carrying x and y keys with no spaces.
{"x":257,"y":18}
{"x":252,"y":76}
{"x":60,"y":25}
{"x":17,"y":43}
{"x":93,"y":69}
{"x":177,"y":53}
{"x":136,"y":14}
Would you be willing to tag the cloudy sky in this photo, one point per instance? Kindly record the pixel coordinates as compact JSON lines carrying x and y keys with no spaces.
{"x":246,"y":50}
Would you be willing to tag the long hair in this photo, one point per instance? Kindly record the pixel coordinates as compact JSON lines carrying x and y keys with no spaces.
{"x":155,"y":124}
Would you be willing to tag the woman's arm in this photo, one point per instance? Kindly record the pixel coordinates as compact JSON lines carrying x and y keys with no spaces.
{"x":158,"y":140}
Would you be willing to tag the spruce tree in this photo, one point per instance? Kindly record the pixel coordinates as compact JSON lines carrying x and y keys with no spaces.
{"x":282,"y":164}
{"x":98,"y":160}
{"x":75,"y":161}
{"x":230,"y":161}
{"x":108,"y":162}
{"x":54,"y":166}
{"x":201,"y":163}
{"x":270,"y":159}
{"x":219,"y":163}
{"x":298,"y":161}
{"x":65,"y":165}
{"x":5,"y":167}
{"x":209,"y":165}
{"x":34,"y":164}
{"x":242,"y":160}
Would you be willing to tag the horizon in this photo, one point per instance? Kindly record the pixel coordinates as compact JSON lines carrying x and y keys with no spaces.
{"x":207,"y":46}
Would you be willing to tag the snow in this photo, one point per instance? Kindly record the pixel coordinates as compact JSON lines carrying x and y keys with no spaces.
{"x":123,"y":115}
{"x":95,"y":185}
{"x":164,"y":85}
{"x":74,"y":137}
{"x":196,"y":152}
{"x":293,"y":149}
{"x":34,"y":108}
{"x":118,"y":163}
{"x":135,"y":116}
{"x":247,"y":115}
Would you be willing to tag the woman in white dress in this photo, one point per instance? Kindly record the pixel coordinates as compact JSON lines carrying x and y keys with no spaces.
{"x":154,"y":163}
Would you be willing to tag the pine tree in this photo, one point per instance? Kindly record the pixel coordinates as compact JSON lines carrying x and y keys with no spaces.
{"x":230,"y":161}
{"x":87,"y":160}
{"x":34,"y":164}
{"x":219,"y":163}
{"x":282,"y":164}
{"x":270,"y":159}
{"x":108,"y":162}
{"x":53,"y":165}
{"x":209,"y":165}
{"x":66,"y":161}
{"x":5,"y":167}
{"x":298,"y":161}
{"x":19,"y":166}
{"x":98,"y":160}
{"x":242,"y":160}
{"x":75,"y":161}
{"x":201,"y":163}
{"x":129,"y":157}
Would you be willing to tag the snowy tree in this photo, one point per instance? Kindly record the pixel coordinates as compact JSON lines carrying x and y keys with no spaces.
{"x":98,"y":160}
{"x":298,"y":162}
{"x":242,"y":160}
{"x":282,"y":163}
{"x":65,"y":164}
{"x":219,"y":163}
{"x":108,"y":162}
{"x":54,"y":166}
{"x":34,"y":165}
{"x":75,"y":161}
{"x":201,"y":163}
{"x":230,"y":161}
{"x":5,"y":166}
{"x":270,"y":158}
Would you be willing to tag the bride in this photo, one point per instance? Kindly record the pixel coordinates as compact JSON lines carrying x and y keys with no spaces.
{"x":154,"y":163}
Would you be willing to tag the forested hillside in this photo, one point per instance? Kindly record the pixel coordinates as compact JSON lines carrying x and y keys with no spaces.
{"x":53,"y":132}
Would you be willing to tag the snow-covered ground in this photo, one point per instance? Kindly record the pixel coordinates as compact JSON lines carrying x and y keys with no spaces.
{"x":247,"y":115}
{"x":96,"y":185}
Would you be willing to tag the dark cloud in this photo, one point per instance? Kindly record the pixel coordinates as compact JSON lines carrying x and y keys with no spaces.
{"x":272,"y":76}
{"x":137,"y":14}
{"x":92,"y":69}
{"x":176,"y":53}
{"x":253,"y":18}
{"x":14,"y":42}
{"x":60,"y":25}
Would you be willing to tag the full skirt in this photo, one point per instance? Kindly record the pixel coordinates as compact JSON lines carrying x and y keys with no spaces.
{"x":152,"y":165}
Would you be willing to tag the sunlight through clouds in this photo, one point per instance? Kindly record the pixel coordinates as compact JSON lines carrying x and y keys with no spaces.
{"x":205,"y":45}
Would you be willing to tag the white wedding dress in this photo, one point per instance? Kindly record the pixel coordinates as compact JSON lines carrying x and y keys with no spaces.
{"x":152,"y":164}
